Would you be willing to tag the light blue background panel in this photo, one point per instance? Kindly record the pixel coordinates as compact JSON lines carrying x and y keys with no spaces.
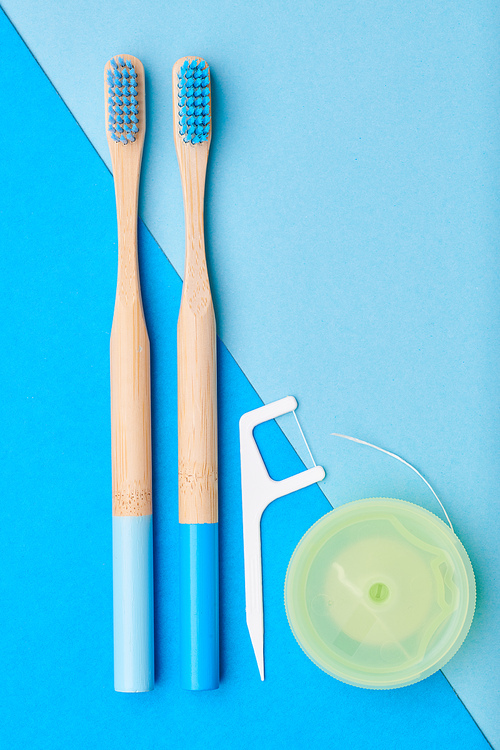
{"x":58,"y":233}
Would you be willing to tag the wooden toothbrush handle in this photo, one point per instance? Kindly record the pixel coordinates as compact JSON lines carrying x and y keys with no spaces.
{"x":197,"y":409}
{"x":130,"y":410}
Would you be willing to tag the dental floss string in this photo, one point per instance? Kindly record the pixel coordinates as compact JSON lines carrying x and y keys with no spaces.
{"x":382,"y":450}
{"x":307,"y":446}
{"x":304,"y":437}
{"x":394,"y":455}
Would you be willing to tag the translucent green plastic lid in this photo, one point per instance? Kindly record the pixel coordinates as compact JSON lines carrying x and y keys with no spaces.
{"x":380,"y":593}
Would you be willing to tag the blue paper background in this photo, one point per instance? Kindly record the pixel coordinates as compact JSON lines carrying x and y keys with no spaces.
{"x":352,"y":229}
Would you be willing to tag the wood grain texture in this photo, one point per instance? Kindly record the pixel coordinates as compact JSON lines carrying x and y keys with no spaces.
{"x":129,"y":345}
{"x":196,"y":343}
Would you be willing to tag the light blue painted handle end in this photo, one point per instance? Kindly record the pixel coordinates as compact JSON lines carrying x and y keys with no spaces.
{"x":199,"y":605}
{"x":133,"y":603}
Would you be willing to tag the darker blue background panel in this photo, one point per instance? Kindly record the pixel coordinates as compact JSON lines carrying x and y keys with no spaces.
{"x":58,"y":271}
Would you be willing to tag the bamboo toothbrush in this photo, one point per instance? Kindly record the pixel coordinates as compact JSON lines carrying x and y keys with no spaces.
{"x":197,"y":392}
{"x":130,"y":393}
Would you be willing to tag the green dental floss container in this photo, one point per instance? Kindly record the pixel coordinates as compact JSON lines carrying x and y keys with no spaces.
{"x":380,"y":593}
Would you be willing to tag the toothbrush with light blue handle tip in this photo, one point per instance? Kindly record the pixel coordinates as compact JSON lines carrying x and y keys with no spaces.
{"x":197,"y":392}
{"x":130,"y":393}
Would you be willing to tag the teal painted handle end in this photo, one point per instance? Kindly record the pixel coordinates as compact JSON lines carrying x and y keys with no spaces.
{"x":199,"y":605}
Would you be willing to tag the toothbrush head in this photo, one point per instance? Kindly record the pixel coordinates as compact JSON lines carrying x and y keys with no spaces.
{"x":124,"y":79}
{"x":193,"y":107}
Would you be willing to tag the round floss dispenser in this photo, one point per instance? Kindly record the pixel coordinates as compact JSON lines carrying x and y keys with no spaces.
{"x":380,"y":593}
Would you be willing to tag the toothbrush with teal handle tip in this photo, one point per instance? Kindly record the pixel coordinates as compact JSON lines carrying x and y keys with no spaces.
{"x":197,"y":392}
{"x":130,"y":393}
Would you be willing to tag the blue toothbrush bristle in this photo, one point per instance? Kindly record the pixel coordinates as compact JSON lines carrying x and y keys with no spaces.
{"x":194,"y":101}
{"x":123,"y":106}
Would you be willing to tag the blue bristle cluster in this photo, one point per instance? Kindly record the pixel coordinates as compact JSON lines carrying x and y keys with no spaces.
{"x":194,"y":101}
{"x":123,"y":107}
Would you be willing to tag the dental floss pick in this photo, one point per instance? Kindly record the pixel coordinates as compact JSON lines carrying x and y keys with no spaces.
{"x":258,"y":490}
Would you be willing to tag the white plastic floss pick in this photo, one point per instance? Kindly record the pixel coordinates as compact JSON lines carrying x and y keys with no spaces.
{"x":258,"y":490}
